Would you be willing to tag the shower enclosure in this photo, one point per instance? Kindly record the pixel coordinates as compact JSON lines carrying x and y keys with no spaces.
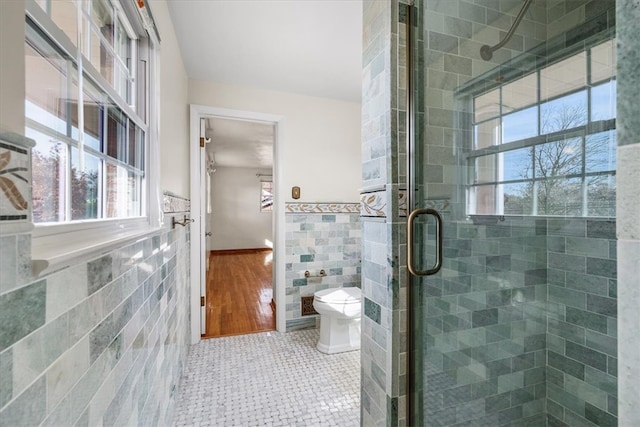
{"x":511,"y":188}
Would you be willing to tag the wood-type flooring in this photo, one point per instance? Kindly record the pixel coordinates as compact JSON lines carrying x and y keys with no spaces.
{"x":239,"y":293}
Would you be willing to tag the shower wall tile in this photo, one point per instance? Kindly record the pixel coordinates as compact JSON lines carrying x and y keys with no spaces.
{"x":86,"y":344}
{"x":325,"y":237}
{"x":628,"y":26}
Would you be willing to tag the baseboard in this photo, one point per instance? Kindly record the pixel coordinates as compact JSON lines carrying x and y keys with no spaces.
{"x":239,"y":251}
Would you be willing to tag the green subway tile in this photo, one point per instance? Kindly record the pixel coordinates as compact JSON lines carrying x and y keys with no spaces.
{"x":586,"y":392}
{"x":587,"y":319}
{"x":570,"y":331}
{"x":372,"y":310}
{"x":21,"y":312}
{"x":566,"y":365}
{"x":568,"y":262}
{"x":497,"y":403}
{"x":602,"y":305}
{"x":598,"y":248}
{"x":307,"y":258}
{"x":565,"y":398}
{"x":587,"y":283}
{"x":602,"y":343}
{"x":586,"y":355}
{"x":599,"y":417}
{"x":602,"y":267}
{"x":6,"y":379}
{"x":568,"y":297}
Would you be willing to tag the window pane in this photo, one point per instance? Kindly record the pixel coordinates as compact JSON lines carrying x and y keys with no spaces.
{"x":520,"y":125}
{"x":46,"y":88}
{"x":49,"y":165}
{"x":84,"y":186}
{"x":517,"y":198}
{"x":519,"y":94}
{"x":563,"y":76}
{"x":564,"y":113}
{"x":601,"y":195}
{"x":603,"y":61}
{"x":603,"y":101}
{"x":517,"y":164}
{"x":94,"y":106}
{"x":559,"y":158}
{"x":601,"y":152}
{"x":116,"y":134}
{"x":560,"y":197}
{"x":123,"y":192}
{"x":483,"y":200}
{"x":266,"y":198}
{"x":487,"y":134}
{"x":487,"y":106}
{"x":486,"y":169}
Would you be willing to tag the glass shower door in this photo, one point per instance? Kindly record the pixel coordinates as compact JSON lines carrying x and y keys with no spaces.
{"x":513,"y":115}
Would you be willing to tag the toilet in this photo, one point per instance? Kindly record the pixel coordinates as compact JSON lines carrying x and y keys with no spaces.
{"x":339,"y":310}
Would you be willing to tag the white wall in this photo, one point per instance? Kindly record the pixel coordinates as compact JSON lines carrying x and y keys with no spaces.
{"x":12,"y":24}
{"x":321,"y":144}
{"x":236,"y":220}
{"x":174,"y":109}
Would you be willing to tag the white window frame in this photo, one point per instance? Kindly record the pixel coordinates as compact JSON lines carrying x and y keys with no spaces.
{"x":57,"y":245}
{"x":579,"y":131}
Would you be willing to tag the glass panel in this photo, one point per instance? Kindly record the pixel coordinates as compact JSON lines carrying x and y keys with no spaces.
{"x":123,"y":192}
{"x":132,"y":145}
{"x":601,"y":152}
{"x":564,"y":76}
{"x":487,"y":134}
{"x":84,"y":186}
{"x":486,"y":327}
{"x":517,"y":164}
{"x":601,"y":195}
{"x":487,"y":106}
{"x":46,"y":86}
{"x":560,"y":197}
{"x":603,"y":61}
{"x":116,"y":134}
{"x":559,"y":158}
{"x":520,"y":125}
{"x":519,"y":94}
{"x":94,"y":107}
{"x":564,"y":113}
{"x":603,"y":101}
{"x":49,"y":165}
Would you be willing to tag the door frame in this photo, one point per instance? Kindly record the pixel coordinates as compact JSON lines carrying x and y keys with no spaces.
{"x":197,"y":194}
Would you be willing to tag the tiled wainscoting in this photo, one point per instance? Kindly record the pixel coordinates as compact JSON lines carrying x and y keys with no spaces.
{"x":101,"y":342}
{"x":319,"y":236}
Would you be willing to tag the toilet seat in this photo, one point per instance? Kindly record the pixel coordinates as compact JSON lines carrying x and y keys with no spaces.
{"x":339,"y":296}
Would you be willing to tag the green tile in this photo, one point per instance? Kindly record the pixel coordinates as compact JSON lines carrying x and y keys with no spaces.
{"x":21,"y":312}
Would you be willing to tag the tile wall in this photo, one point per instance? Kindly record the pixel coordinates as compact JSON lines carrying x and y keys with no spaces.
{"x":99,"y":342}
{"x":319,"y":236}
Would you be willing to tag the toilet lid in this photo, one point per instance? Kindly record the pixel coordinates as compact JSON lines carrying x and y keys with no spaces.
{"x":339,"y":295}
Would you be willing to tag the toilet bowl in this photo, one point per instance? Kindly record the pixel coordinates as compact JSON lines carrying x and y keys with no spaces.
{"x":339,"y":310}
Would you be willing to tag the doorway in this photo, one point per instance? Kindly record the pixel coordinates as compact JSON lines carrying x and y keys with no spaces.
{"x":238,"y":226}
{"x":229,"y":197}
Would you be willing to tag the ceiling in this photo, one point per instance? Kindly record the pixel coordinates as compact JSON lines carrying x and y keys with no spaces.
{"x":240,"y":143}
{"x":307,"y":47}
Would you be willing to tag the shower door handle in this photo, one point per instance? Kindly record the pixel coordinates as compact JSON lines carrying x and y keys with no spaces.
{"x":410,"y":230}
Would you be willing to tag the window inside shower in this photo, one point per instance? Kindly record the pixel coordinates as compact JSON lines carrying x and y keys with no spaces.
{"x":543,"y":140}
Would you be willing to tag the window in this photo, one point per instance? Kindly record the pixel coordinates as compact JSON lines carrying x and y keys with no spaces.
{"x":266,"y":196}
{"x":86,"y":111}
{"x":544,"y":143}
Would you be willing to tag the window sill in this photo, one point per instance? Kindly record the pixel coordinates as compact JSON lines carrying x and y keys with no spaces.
{"x":54,"y":248}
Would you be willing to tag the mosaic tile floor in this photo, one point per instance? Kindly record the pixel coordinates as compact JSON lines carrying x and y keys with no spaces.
{"x":269,"y":379}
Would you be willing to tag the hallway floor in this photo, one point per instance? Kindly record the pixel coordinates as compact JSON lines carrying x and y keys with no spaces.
{"x":269,"y":379}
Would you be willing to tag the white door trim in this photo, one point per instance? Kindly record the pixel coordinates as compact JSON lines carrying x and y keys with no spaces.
{"x":197,"y":172}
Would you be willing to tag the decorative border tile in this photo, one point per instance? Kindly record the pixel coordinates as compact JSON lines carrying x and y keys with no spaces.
{"x":15,"y":181}
{"x":172,"y":203}
{"x":373,"y":204}
{"x":322,"y":208}
{"x":441,"y":205}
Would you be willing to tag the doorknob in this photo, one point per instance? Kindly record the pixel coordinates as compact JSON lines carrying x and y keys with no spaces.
{"x":208,"y":234}
{"x":410,"y":223}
